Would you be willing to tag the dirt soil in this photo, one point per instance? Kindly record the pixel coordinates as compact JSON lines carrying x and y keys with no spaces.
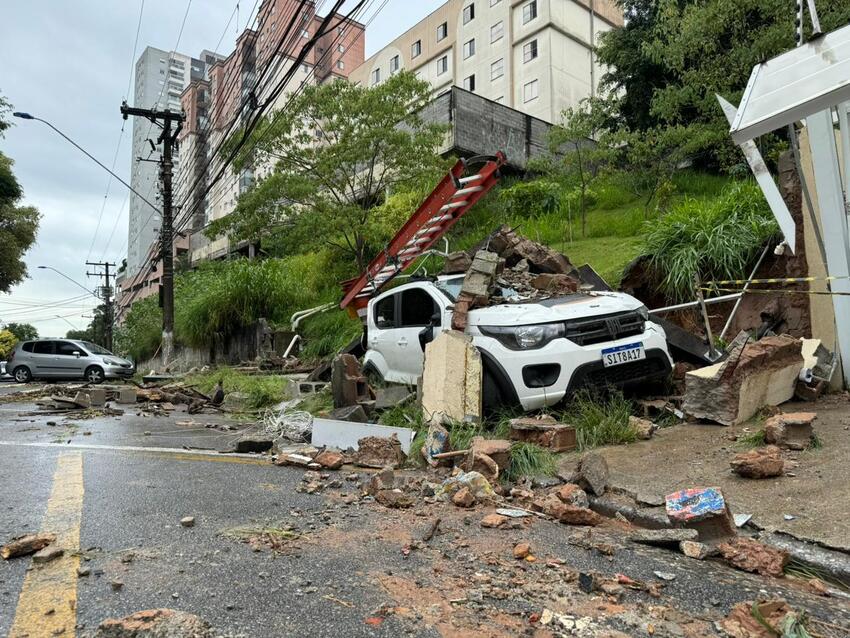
{"x":694,"y":455}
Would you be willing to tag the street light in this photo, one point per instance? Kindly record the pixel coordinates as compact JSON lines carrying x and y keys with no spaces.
{"x":76,"y":283}
{"x":27,"y":116}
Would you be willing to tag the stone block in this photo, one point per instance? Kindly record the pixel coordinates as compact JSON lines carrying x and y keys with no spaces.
{"x":663,"y":537}
{"x":764,"y":462}
{"x":792,"y":430}
{"x":754,"y":375}
{"x":451,"y":381}
{"x":702,"y":509}
{"x":348,"y":384}
{"x":352,"y":413}
{"x":127,"y":395}
{"x":592,"y":473}
{"x":456,"y":263}
{"x":391,"y":396}
{"x":97,"y":397}
{"x":545,"y":432}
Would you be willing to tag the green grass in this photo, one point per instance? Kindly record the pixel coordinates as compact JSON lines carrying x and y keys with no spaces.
{"x":600,"y":419}
{"x":528,"y":459}
{"x":608,"y":255}
{"x":751,"y":439}
{"x":262,"y":390}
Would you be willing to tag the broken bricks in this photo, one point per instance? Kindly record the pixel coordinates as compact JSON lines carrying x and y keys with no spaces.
{"x":155,"y":622}
{"x":759,"y":463}
{"x":379,"y":452}
{"x":544,"y":431}
{"x":702,"y":509}
{"x":792,"y":430}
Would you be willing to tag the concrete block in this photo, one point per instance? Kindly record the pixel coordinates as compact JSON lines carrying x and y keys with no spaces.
{"x":310,"y":387}
{"x":451,"y":381}
{"x":545,"y":432}
{"x":754,"y":375}
{"x":348,"y":384}
{"x":97,"y":396}
{"x":127,"y":395}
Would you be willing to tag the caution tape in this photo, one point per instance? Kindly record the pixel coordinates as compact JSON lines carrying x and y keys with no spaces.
{"x":786,"y":280}
{"x":762,"y":291}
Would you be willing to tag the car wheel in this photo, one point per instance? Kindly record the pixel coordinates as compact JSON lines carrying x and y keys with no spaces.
{"x":373,"y":377}
{"x":491,"y":394}
{"x":94,"y":374}
{"x":22,"y":374}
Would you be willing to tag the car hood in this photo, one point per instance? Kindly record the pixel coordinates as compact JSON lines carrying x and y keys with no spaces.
{"x":577,"y":306}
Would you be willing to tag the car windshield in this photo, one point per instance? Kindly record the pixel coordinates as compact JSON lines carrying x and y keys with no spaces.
{"x":451,"y":288}
{"x":94,"y":348}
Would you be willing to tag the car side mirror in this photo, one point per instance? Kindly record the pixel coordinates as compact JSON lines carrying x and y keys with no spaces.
{"x":77,"y":353}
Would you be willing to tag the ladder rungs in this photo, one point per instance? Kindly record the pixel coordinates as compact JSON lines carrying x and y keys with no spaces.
{"x":453,"y":205}
{"x":466,"y":180}
{"x":466,"y":191}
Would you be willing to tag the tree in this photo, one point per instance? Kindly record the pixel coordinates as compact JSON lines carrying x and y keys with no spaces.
{"x":22,"y":331}
{"x":18,"y":224}
{"x":7,"y":344}
{"x":671,"y":57}
{"x":96,"y":330}
{"x":338,"y":150}
{"x":580,"y":150}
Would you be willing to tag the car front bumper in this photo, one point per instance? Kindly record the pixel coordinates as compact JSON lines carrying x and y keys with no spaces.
{"x":119,"y":372}
{"x":567,"y":367}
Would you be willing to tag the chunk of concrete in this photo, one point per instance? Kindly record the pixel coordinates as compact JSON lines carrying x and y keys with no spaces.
{"x":127,"y":395}
{"x":373,"y":451}
{"x":348,"y":385}
{"x":344,"y":435}
{"x":451,"y":382}
{"x":351,"y":413}
{"x":664,"y":537}
{"x":792,"y":430}
{"x":97,"y":397}
{"x":497,"y":449}
{"x":754,"y":375}
{"x":703,"y":509}
{"x":760,"y":463}
{"x":545,"y":432}
{"x":592,"y":473}
{"x":391,"y":396}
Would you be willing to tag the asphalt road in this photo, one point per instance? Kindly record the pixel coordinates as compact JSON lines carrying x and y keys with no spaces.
{"x":116,"y":497}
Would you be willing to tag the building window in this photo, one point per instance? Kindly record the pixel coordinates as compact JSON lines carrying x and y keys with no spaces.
{"x":416,"y":49}
{"x":341,"y":48}
{"x":529,"y":12}
{"x":497,"y":31}
{"x":340,"y":65}
{"x":394,"y":64}
{"x":469,"y":49}
{"x":469,"y":83}
{"x":376,"y":76}
{"x":529,"y":51}
{"x":530,"y":91}
{"x":442,"y":31}
{"x":442,"y":65}
{"x":468,"y":13}
{"x":305,"y":33}
{"x":497,"y":69}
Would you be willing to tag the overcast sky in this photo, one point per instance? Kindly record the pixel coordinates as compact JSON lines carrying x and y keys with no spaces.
{"x":69,"y":63}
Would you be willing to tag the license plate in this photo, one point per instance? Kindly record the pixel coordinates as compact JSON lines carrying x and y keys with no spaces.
{"x":623,"y":354}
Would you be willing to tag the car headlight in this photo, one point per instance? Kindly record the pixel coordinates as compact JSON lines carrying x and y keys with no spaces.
{"x":524,"y":337}
{"x":111,"y":362}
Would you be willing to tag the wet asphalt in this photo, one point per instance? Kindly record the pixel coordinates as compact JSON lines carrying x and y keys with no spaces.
{"x":138,"y":486}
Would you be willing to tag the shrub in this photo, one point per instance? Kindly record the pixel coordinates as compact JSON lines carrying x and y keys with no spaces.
{"x":600,"y":420}
{"x":716,"y":239}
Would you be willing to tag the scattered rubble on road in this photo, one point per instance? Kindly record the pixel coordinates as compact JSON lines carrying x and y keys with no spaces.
{"x":26,"y":545}
{"x":155,"y":623}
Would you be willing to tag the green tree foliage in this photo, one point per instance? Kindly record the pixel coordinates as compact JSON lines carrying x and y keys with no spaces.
{"x":141,"y":331}
{"x":22,"y":331}
{"x":7,"y":344}
{"x":716,"y":239}
{"x":371,"y":141}
{"x":18,"y":224}
{"x":672,"y":56}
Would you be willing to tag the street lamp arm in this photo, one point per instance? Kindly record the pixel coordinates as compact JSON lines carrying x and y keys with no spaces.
{"x":27,"y":116}
{"x":76,"y":283}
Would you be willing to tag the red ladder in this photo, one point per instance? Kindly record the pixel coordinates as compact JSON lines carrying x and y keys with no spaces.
{"x":450,"y":201}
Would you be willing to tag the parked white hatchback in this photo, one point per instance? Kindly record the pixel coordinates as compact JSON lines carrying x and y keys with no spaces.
{"x":535,"y":353}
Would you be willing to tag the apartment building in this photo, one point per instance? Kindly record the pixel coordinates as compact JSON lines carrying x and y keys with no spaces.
{"x":160,"y":78}
{"x":261,"y":59}
{"x":535,"y":56}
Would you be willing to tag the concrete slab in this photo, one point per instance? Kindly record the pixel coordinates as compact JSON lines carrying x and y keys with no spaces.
{"x":344,"y":435}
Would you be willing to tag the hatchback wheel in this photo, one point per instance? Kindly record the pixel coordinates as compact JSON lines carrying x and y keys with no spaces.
{"x":94,"y":374}
{"x":23,"y":374}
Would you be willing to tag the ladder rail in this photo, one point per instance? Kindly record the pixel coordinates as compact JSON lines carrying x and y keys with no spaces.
{"x":434,"y":217}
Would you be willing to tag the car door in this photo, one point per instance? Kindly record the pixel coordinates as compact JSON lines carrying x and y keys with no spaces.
{"x":382,"y":330}
{"x":71,"y":359}
{"x":43,"y":359}
{"x":415,"y":311}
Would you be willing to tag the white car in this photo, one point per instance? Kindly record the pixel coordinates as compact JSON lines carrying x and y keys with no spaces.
{"x":535,"y":353}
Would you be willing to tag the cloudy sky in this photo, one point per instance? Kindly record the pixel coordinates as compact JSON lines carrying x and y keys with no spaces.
{"x":70,"y":63}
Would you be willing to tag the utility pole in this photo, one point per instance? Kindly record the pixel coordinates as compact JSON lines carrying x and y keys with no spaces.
{"x":166,"y":233}
{"x":106,"y":295}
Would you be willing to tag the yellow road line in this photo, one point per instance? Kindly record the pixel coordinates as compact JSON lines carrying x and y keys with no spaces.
{"x":53,"y":586}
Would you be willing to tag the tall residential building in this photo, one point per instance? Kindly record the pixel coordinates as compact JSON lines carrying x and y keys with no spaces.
{"x":535,"y":56}
{"x":161,"y":77}
{"x":258,"y":60}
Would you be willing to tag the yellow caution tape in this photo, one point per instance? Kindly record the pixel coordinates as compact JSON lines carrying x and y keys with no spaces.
{"x":787,"y":280}
{"x":763,"y":291}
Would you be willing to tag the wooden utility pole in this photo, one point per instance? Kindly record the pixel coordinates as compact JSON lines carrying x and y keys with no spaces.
{"x":106,"y":295}
{"x":164,"y":119}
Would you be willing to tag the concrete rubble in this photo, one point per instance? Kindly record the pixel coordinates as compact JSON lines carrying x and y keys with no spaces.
{"x":544,"y":431}
{"x":759,"y":463}
{"x":793,"y":430}
{"x":754,"y":374}
{"x":451,"y":381}
{"x":702,"y":509}
{"x":751,"y":556}
{"x":155,"y":623}
{"x":26,"y":545}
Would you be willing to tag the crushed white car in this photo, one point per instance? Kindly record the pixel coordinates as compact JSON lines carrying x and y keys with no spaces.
{"x":535,"y":353}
